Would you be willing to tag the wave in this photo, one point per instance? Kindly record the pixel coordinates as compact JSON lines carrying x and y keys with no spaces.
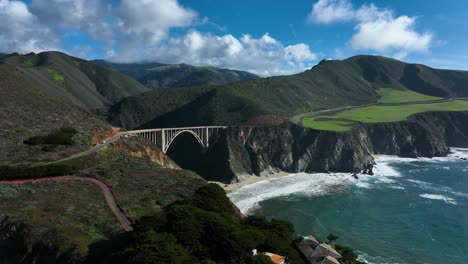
{"x":455,"y":154}
{"x":440,"y":197}
{"x":248,"y":197}
{"x":301,"y":184}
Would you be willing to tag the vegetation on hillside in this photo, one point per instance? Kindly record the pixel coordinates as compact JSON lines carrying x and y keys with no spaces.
{"x":330,"y":84}
{"x":72,"y":80}
{"x":63,"y":136}
{"x":156,"y":75}
{"x":389,"y":95}
{"x":410,"y":103}
{"x":204,"y":229}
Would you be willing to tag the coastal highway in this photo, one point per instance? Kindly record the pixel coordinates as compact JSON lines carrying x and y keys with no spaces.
{"x":111,"y":200}
{"x":94,"y":149}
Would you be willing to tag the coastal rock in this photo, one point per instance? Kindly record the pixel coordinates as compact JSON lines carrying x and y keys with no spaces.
{"x":241,"y":152}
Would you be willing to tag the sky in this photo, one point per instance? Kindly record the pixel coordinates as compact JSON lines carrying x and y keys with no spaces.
{"x":261,"y":36}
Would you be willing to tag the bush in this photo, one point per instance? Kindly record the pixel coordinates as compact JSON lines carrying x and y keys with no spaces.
{"x":31,"y":172}
{"x":349,"y":257}
{"x":63,"y":136}
{"x":206,"y":227}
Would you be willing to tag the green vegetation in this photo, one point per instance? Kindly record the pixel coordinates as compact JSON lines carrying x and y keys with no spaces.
{"x":205,"y":229}
{"x":63,"y":136}
{"x":349,"y":257}
{"x":328,"y":124}
{"x":389,"y":95}
{"x":57,"y":76}
{"x":378,"y":114}
{"x":36,"y":171}
{"x":156,"y":75}
{"x":331,"y":237}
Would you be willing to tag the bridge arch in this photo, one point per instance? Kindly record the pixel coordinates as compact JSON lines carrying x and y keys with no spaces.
{"x":173,"y":137}
{"x":163,"y":137}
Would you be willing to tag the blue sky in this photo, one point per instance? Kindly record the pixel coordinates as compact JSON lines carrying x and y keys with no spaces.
{"x":265,"y":37}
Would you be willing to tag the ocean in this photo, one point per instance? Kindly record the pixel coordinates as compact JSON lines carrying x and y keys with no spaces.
{"x":410,"y":211}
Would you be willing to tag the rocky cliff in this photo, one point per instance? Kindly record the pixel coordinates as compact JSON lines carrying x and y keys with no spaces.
{"x":241,"y":152}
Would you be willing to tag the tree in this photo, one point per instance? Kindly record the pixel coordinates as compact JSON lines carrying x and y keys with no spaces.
{"x":331,"y":237}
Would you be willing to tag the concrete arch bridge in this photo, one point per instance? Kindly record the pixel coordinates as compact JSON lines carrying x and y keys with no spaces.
{"x":163,"y":137}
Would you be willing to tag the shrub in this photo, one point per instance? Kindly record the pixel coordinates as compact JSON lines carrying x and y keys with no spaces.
{"x":63,"y":136}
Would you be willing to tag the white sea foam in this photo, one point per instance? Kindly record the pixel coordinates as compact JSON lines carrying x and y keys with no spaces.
{"x":317,"y":184}
{"x":438,"y":197}
{"x":310,"y":185}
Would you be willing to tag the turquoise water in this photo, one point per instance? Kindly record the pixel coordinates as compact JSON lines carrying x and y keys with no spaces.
{"x":411,"y":211}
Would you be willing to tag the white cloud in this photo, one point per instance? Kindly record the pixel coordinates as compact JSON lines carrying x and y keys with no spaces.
{"x":21,"y":31}
{"x":151,"y":20}
{"x":329,"y":11}
{"x":390,"y":34}
{"x":264,"y":56}
{"x":376,"y":29}
{"x":140,"y":30}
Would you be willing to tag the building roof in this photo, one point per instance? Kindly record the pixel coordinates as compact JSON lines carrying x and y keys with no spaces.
{"x":310,"y":238}
{"x":277,"y":259}
{"x":329,"y":248}
{"x":331,"y":251}
{"x":329,"y":260}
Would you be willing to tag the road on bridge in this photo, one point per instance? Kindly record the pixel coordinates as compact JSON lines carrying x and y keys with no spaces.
{"x":122,"y":216}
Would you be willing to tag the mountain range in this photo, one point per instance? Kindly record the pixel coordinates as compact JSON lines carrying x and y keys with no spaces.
{"x":43,"y":92}
{"x":157,"y":75}
{"x":330,"y":84}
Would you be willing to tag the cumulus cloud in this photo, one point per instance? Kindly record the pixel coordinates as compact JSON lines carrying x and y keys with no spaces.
{"x":264,"y":55}
{"x":376,"y":29}
{"x":329,"y":11}
{"x":21,"y":31}
{"x":151,"y":20}
{"x":140,"y":30}
{"x":390,"y":33}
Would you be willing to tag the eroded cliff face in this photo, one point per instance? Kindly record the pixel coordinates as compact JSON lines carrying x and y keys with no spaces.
{"x":241,"y":152}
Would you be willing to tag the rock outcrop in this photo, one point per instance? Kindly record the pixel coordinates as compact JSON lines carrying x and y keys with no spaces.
{"x":241,"y":152}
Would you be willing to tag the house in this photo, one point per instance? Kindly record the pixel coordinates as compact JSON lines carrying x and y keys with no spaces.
{"x":329,"y":260}
{"x":316,"y":252}
{"x":277,"y":259}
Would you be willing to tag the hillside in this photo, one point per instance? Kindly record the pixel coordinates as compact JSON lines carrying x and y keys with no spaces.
{"x":330,"y":84}
{"x":73,"y":80}
{"x":157,"y":75}
{"x":27,"y":110}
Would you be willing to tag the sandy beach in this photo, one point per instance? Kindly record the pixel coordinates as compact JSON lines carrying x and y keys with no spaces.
{"x":253,"y":179}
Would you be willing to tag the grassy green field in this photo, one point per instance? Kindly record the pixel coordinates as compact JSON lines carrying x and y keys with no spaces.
{"x":325,"y":123}
{"x":389,"y":95}
{"x":343,"y":121}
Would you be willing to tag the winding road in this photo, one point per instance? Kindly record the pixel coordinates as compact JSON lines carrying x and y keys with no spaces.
{"x":122,"y":216}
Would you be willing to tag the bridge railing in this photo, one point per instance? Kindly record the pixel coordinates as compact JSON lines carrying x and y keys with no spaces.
{"x":168,"y":128}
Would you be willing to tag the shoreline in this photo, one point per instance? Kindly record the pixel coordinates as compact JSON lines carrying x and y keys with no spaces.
{"x":231,"y":187}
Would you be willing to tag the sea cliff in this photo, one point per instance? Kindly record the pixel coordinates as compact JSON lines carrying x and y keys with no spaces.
{"x":241,"y":152}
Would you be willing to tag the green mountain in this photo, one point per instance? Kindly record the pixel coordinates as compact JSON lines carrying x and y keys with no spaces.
{"x":73,"y":80}
{"x":330,"y":84}
{"x":156,"y":75}
{"x":28,"y":109}
{"x":42,"y":93}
